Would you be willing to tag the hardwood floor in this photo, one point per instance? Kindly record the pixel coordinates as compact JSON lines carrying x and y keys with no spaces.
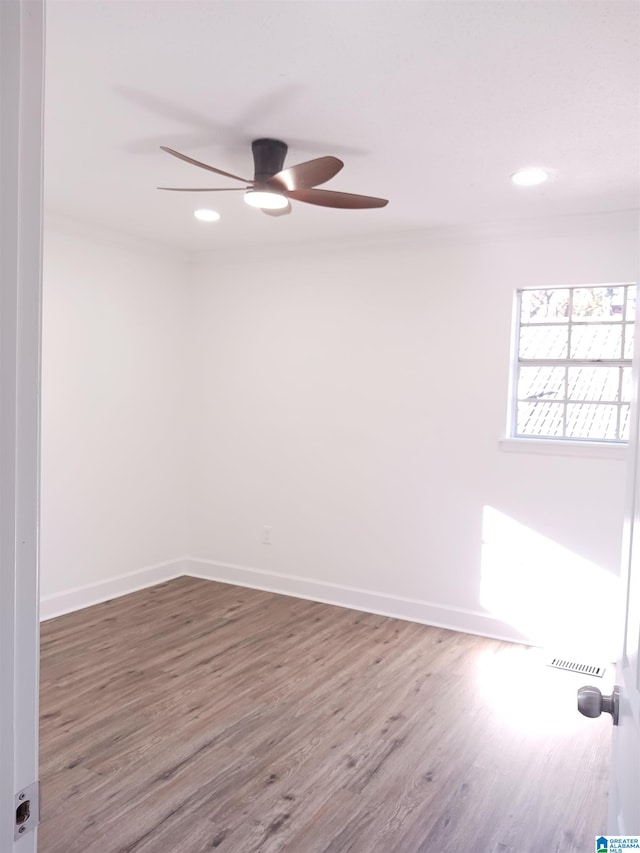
{"x":196,"y":716}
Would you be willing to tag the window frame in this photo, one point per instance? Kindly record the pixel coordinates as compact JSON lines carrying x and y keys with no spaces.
{"x":566,"y":364}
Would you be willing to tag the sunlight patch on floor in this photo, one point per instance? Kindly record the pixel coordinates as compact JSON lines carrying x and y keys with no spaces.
{"x":531,"y":697}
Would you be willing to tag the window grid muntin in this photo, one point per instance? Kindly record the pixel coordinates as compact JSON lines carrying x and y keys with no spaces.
{"x":566,"y":368}
{"x":568,"y":362}
{"x":625,"y":299}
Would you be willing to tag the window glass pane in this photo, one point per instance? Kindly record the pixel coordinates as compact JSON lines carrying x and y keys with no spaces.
{"x":596,"y":342}
{"x":544,"y":306}
{"x":626,"y":384}
{"x":540,"y":419}
{"x":541,"y":383}
{"x":562,"y":398}
{"x":544,"y":342}
{"x":624,"y":422}
{"x":586,"y":420}
{"x":594,"y":383}
{"x":629,"y":334}
{"x":597,"y":303}
{"x":631,"y":302}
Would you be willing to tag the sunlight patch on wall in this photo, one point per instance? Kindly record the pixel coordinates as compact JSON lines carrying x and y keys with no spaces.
{"x":553,"y":596}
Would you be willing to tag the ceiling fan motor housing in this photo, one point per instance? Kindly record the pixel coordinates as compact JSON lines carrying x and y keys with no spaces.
{"x":268,"y":158}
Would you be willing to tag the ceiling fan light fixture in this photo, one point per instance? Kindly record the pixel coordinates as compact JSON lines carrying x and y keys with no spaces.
{"x":530,"y":177}
{"x":266,"y":200}
{"x":205,"y":215}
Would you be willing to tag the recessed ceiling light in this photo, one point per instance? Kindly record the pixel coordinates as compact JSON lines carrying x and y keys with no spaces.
{"x":530,"y":177}
{"x":266,"y":200}
{"x":207,"y":215}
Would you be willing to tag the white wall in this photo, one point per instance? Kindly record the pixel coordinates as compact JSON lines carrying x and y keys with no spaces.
{"x":113,"y":410}
{"x":351,"y":397}
{"x":354,"y":398}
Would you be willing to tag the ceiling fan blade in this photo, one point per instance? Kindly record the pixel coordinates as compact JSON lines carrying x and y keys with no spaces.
{"x":204,"y":189}
{"x":203,"y":165}
{"x":306,"y":175}
{"x":282,"y":211}
{"x":327,"y":198}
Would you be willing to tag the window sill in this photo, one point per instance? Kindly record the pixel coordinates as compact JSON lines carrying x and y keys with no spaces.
{"x":551,"y":447}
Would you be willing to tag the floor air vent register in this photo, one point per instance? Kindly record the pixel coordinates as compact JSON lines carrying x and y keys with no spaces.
{"x":573,"y":666}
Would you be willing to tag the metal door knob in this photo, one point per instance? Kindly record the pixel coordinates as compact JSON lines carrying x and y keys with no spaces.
{"x":591,"y":702}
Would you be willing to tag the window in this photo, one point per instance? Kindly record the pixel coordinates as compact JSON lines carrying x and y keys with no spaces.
{"x":573,"y":367}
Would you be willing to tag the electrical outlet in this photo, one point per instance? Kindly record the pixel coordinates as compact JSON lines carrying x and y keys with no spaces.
{"x":266,"y":534}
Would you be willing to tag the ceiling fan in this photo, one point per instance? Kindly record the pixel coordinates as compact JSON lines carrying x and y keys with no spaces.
{"x":272,"y":186}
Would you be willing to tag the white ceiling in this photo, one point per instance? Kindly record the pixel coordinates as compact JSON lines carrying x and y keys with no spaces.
{"x":430,"y":104}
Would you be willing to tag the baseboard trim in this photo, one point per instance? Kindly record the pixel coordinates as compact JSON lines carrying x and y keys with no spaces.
{"x":411,"y":610}
{"x":85,"y":596}
{"x":353,"y":598}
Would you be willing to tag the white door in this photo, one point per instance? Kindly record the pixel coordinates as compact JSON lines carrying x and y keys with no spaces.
{"x":21,"y":98}
{"x":624,"y":793}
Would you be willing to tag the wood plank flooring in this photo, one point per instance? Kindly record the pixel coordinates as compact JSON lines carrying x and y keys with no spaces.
{"x":197,"y":716}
